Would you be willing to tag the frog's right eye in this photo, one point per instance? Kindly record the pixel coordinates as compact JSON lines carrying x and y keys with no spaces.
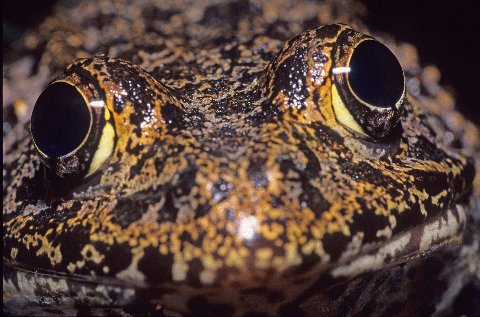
{"x":368,"y":91}
{"x":71,"y":129}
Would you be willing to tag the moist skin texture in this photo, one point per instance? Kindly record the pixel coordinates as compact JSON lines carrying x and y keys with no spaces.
{"x":229,"y":186}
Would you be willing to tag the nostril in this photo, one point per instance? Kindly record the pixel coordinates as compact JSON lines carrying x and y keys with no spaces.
{"x":258,"y":174}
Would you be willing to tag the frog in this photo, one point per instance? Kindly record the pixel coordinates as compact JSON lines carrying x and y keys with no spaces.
{"x":233,"y":158}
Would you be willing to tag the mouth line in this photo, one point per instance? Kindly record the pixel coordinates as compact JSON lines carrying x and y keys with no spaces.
{"x":442,"y":230}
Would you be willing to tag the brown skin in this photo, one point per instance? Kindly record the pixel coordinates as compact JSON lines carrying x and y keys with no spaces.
{"x":230,"y":170}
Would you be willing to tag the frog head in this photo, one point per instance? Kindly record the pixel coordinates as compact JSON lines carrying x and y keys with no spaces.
{"x":314,"y":165}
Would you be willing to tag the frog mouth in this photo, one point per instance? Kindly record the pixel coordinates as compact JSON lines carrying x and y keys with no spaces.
{"x":47,"y":286}
{"x":445,"y":229}
{"x":33,"y":290}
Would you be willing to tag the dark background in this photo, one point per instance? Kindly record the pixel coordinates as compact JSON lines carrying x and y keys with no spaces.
{"x":444,"y":32}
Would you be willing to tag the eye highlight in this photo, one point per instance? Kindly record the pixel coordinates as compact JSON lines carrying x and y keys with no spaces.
{"x":368,"y":90}
{"x":71,"y":128}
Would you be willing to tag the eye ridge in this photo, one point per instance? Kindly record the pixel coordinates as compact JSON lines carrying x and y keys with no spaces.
{"x":103,"y":86}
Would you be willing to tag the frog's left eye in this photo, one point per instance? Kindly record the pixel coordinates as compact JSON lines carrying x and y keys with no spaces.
{"x":71,"y":128}
{"x":368,"y":90}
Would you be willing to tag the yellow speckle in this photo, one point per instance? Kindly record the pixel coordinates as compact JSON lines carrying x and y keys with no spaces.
{"x":74,"y":40}
{"x":234,"y":259}
{"x":179,"y":271}
{"x":393,"y":221}
{"x":207,"y":277}
{"x":309,"y":247}
{"x":47,"y":248}
{"x":21,"y":109}
{"x":163,"y":249}
{"x":262,"y":257}
{"x":71,"y":267}
{"x":89,"y":253}
{"x":13,"y":253}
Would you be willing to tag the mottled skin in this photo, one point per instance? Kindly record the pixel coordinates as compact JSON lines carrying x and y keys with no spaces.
{"x":232,"y":187}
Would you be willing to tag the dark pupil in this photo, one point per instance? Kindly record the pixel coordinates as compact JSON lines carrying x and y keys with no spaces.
{"x":60,"y":120}
{"x":375,"y":76}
